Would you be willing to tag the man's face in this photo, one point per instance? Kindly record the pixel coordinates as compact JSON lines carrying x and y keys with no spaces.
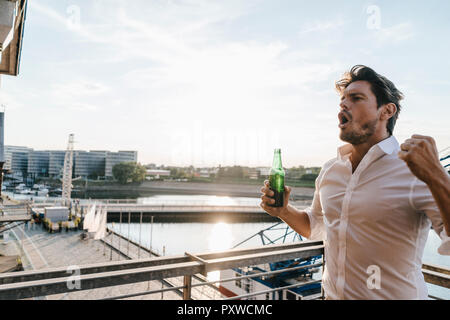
{"x":359,"y":115}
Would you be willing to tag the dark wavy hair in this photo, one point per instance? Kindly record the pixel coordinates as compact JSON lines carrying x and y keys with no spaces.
{"x":383,"y":89}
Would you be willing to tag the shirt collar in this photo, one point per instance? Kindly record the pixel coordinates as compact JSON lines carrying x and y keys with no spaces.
{"x":388,"y":146}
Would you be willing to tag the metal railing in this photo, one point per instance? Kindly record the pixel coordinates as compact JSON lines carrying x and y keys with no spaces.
{"x":436,"y":275}
{"x":181,"y":208}
{"x":252,"y":276}
{"x":27,"y":284}
{"x":15,"y":213}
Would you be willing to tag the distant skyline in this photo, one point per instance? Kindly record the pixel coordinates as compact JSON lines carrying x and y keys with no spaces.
{"x":64,"y":149}
{"x":204,"y":82}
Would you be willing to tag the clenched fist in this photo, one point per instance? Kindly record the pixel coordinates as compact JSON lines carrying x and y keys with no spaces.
{"x":421,"y":156}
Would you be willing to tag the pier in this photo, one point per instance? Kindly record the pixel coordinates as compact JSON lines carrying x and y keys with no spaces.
{"x":187,"y":213}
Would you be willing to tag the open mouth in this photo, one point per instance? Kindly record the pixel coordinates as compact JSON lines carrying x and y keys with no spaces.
{"x":344,"y":119}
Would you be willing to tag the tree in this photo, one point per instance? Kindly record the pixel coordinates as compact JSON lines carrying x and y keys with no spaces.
{"x":309,"y":176}
{"x":139,"y":173}
{"x":126,"y":172}
{"x":231,"y":172}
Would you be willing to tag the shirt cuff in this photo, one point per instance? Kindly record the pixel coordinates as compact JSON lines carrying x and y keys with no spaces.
{"x":444,"y":248}
{"x":316,"y":225}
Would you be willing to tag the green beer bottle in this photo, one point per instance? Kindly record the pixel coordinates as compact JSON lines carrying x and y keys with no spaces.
{"x":276,"y":179}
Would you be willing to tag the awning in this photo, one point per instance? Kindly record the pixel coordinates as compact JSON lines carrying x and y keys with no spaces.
{"x":10,"y":54}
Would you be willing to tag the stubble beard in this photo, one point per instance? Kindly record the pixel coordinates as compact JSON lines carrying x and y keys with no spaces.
{"x":360,"y":136}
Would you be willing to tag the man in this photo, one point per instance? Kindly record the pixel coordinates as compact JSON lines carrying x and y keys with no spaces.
{"x":375,"y":203}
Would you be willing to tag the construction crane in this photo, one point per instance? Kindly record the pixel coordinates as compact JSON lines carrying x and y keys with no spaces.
{"x":67,"y":171}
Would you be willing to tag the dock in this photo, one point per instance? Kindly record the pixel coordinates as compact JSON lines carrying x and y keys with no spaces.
{"x":41,"y":251}
{"x":46,"y":252}
{"x":187,"y":213}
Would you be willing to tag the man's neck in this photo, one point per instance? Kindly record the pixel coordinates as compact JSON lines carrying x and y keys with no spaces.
{"x":360,"y":150}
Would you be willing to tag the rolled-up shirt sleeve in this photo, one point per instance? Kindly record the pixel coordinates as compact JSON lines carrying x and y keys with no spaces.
{"x":315,"y":212}
{"x":315,"y":216}
{"x":422,"y":200}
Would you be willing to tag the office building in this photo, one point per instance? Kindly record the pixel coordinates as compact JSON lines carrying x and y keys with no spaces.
{"x":89,"y":164}
{"x":23,"y":162}
{"x":38,"y":163}
{"x":113,"y":158}
{"x":16,"y":160}
{"x":56,"y":163}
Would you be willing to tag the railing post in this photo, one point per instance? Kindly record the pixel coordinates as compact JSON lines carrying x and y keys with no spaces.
{"x":187,"y":287}
{"x":151,"y":233}
{"x":120,"y":229}
{"x":128,"y":244}
{"x":140,"y":230}
{"x":323,"y":271}
{"x":112,"y":235}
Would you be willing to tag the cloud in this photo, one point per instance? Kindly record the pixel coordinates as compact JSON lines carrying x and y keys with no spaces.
{"x":82,"y":107}
{"x":322,"y":25}
{"x":78,"y":89}
{"x":395,"y":34}
{"x":174,"y":63}
{"x":9,"y":101}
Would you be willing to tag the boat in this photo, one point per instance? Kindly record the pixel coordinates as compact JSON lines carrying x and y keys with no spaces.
{"x":40,"y":190}
{"x":26,"y":191}
{"x":20,"y":187}
{"x":57,"y":191}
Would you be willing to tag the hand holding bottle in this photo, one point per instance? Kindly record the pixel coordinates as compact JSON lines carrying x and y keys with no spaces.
{"x":268,"y":201}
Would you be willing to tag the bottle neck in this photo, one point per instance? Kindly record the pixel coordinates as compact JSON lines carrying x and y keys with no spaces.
{"x":277,"y":160}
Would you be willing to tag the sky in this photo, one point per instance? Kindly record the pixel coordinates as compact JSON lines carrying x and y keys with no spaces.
{"x":205,"y":82}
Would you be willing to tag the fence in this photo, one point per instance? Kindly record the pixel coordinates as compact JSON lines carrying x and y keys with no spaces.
{"x":27,"y":284}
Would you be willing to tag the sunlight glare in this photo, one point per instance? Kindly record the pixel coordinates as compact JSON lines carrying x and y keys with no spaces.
{"x":219,"y":239}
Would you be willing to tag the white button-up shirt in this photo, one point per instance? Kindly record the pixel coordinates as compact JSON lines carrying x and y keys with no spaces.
{"x":374,"y":223}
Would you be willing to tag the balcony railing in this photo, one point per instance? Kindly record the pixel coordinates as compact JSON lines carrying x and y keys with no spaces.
{"x":28,"y":284}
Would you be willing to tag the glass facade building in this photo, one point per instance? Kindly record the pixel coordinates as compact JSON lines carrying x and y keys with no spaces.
{"x":89,"y":164}
{"x":26,"y":162}
{"x":38,"y":162}
{"x":56,"y":163}
{"x":16,"y":160}
{"x":113,"y":158}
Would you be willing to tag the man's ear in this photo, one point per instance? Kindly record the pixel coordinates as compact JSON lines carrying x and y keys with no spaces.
{"x":388,"y":111}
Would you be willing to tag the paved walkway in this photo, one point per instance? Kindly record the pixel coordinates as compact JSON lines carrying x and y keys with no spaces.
{"x":44,"y":250}
{"x":134,"y":252}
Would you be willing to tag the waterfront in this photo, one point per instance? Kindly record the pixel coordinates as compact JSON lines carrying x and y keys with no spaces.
{"x":178,"y":238}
